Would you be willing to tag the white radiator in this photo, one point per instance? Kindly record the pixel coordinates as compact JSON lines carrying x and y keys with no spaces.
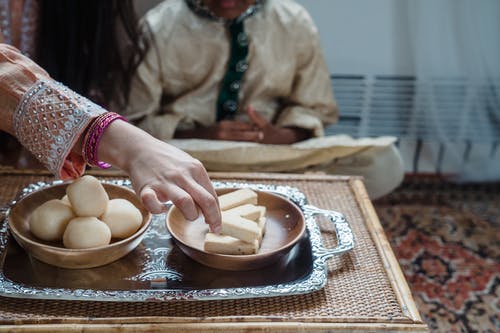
{"x":395,"y":105}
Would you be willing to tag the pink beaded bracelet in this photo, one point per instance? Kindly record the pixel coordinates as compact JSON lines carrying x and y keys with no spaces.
{"x":93,"y":136}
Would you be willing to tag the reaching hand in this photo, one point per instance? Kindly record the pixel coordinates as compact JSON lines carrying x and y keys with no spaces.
{"x":271,"y":134}
{"x":257,"y":130}
{"x":160,"y":172}
{"x":230,"y":130}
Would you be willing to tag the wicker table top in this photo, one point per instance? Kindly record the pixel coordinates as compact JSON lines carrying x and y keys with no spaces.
{"x":366,"y":290}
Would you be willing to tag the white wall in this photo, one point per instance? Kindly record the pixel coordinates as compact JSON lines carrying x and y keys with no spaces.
{"x":363,"y":36}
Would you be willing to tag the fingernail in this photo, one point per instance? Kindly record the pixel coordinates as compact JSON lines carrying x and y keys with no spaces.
{"x":217,"y":229}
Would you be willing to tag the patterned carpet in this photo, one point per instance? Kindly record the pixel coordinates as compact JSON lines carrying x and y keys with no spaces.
{"x":447,"y":240}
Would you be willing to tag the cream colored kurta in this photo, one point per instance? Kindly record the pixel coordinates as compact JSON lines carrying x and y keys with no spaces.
{"x":177,"y":84}
{"x":287,"y":81}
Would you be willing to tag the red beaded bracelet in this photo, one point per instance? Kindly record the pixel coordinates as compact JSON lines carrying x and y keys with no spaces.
{"x":93,"y":137}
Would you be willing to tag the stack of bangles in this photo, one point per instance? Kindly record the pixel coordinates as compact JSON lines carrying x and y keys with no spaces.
{"x":94,"y":135}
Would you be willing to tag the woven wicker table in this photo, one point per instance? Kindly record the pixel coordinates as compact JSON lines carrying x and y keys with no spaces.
{"x":365,"y":291}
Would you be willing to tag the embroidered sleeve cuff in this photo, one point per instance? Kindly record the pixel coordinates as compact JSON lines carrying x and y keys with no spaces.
{"x":49,"y":120}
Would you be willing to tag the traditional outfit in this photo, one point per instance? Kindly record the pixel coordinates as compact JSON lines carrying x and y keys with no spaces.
{"x":202,"y":69}
{"x":286,"y":79}
{"x":45,"y":116}
{"x":18,"y":27}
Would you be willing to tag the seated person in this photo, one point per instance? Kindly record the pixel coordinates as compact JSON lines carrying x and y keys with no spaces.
{"x":244,"y":70}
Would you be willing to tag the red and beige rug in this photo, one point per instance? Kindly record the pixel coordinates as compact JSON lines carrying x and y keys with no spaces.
{"x":447,"y":239}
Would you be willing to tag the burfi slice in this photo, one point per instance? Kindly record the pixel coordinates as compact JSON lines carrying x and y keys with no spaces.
{"x":262,"y":224}
{"x":241,"y":228}
{"x":237,"y":198}
{"x":248,"y":211}
{"x":224,"y":244}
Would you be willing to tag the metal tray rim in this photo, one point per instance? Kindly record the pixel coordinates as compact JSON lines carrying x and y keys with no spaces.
{"x":315,"y":281}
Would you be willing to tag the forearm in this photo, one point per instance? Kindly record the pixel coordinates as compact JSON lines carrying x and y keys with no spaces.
{"x":17,"y":75}
{"x":298,"y":134}
{"x":120,"y":142}
{"x":45,"y":116}
{"x":198,"y":132}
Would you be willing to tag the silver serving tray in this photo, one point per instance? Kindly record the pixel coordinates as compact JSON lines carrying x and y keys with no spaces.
{"x":158,"y":271}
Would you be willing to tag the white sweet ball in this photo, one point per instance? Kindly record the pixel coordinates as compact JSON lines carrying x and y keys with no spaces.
{"x":86,"y":232}
{"x":122,"y":217}
{"x":87,"y":196}
{"x":65,"y":199}
{"x":49,"y":220}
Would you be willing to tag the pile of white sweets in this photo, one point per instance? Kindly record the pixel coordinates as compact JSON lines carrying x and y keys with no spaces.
{"x":243,"y":224}
{"x":85,"y":217}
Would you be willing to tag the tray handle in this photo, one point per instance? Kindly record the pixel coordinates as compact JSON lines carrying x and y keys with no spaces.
{"x":345,"y":237}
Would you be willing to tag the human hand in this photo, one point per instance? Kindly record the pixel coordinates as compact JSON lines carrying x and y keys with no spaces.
{"x":271,"y":134}
{"x":160,"y":172}
{"x":230,"y":130}
{"x":257,"y":130}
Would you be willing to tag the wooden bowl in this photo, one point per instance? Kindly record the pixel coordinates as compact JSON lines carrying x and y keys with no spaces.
{"x":285,"y":226}
{"x":55,"y":253}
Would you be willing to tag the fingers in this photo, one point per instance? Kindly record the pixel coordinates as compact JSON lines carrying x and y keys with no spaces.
{"x":232,"y":130}
{"x":256,"y":118}
{"x":192,"y":198}
{"x":203,"y":193}
{"x":250,"y":135}
{"x":185,"y":203}
{"x":179,"y":197}
{"x":232,"y":125}
{"x":253,"y":131}
{"x":209,"y":206}
{"x":203,"y":179}
{"x":150,"y":200}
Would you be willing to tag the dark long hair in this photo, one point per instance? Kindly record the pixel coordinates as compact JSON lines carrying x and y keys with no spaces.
{"x":92,"y":46}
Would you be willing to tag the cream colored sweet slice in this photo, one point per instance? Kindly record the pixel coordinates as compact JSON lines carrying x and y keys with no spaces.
{"x":241,"y":228}
{"x":262,"y":224}
{"x":224,"y":244}
{"x":237,"y":198}
{"x":65,"y":199}
{"x":248,"y":211}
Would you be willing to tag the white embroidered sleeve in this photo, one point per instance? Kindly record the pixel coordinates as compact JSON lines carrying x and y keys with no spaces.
{"x":49,"y":120}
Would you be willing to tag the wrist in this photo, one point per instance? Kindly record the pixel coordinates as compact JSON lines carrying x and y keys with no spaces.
{"x":93,"y":138}
{"x":300,"y":134}
{"x":119,"y":143}
{"x":288,"y":135}
{"x":184,"y":134}
{"x":199,"y":132}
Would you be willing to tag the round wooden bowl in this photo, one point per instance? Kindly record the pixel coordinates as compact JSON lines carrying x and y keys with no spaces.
{"x":55,"y":253}
{"x":285,"y":226}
